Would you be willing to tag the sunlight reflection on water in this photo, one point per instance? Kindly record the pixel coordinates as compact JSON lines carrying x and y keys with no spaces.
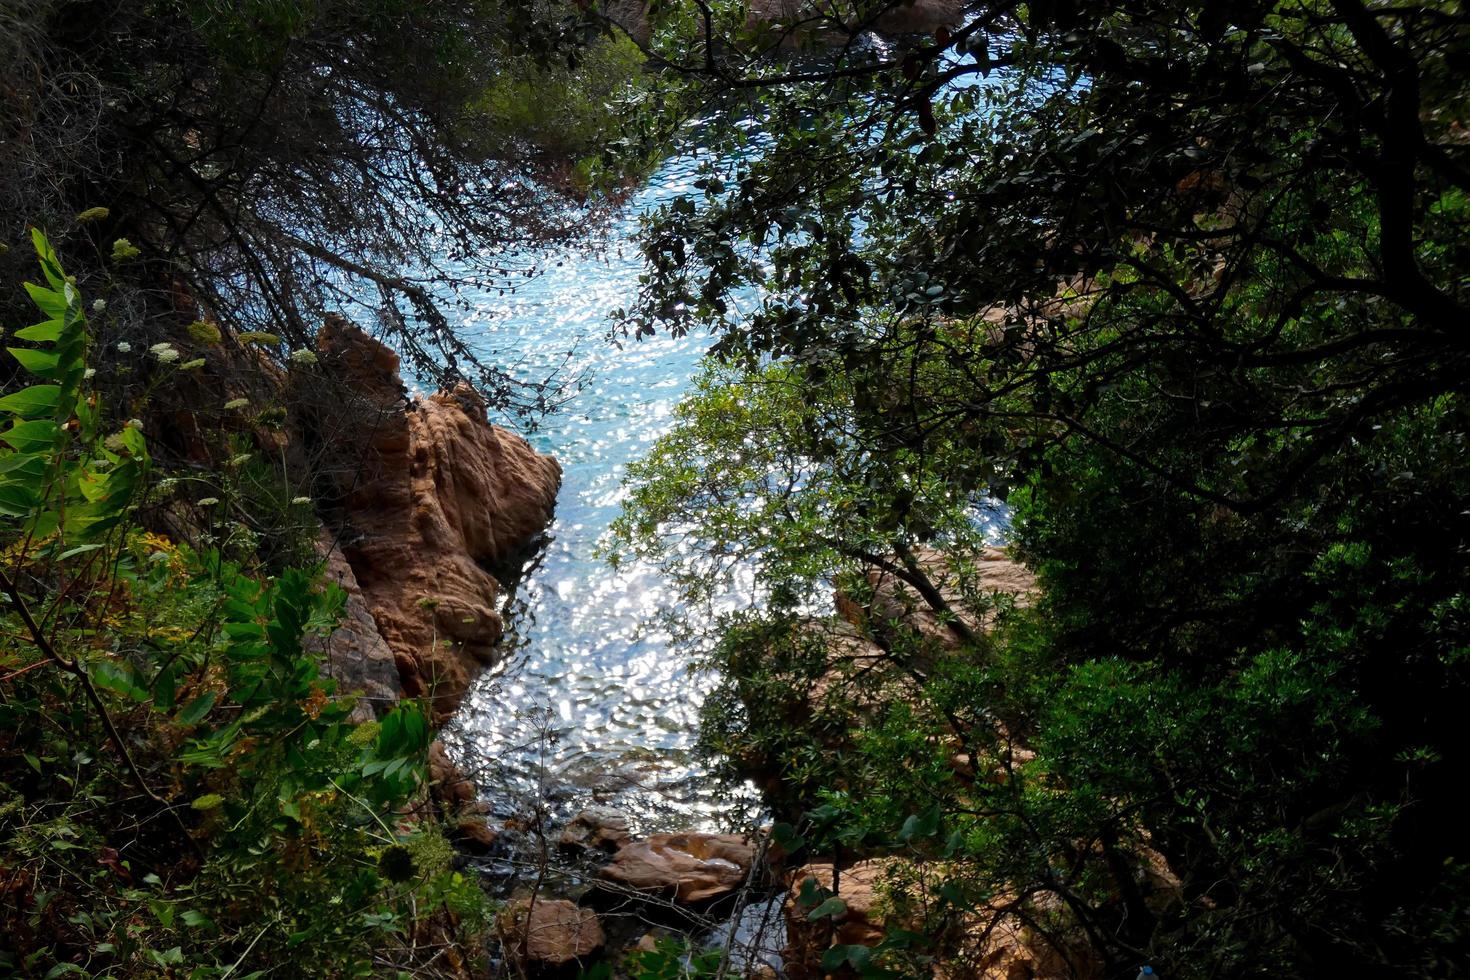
{"x":614,"y":698}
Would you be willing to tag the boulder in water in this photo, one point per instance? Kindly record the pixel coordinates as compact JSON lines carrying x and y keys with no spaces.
{"x":597,"y":828}
{"x":689,"y":869}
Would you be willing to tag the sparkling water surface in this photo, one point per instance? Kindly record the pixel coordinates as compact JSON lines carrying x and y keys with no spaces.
{"x":592,"y":702}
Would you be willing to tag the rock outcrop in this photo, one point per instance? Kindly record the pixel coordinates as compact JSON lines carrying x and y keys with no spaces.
{"x":598,"y":828}
{"x":355,"y":654}
{"x":690,"y":869}
{"x":459,"y":803}
{"x":431,"y":495}
{"x":451,"y":787}
{"x":549,"y":933}
{"x":861,"y":924}
{"x":994,"y":940}
{"x":989,"y":943}
{"x":896,"y":604}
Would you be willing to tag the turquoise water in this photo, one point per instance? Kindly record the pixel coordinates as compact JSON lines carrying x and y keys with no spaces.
{"x":592,"y":703}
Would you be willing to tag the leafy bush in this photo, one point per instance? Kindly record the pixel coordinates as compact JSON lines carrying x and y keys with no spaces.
{"x":182,"y":790}
{"x":1181,"y":284}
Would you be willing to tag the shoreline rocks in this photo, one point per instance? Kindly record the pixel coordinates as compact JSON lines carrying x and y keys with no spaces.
{"x":549,"y":934}
{"x":459,"y":800}
{"x":597,"y":829}
{"x":429,"y":496}
{"x":355,"y":653}
{"x":860,"y":924}
{"x":990,"y":942}
{"x":688,"y":869}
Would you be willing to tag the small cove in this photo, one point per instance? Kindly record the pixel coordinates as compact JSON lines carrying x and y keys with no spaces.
{"x":592,"y":701}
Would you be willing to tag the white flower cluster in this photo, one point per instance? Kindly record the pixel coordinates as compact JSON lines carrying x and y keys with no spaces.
{"x":167,"y":353}
{"x":123,"y":347}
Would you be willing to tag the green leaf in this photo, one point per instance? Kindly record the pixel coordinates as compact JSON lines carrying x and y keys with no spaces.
{"x":37,"y":401}
{"x":196,"y":709}
{"x":39,"y":362}
{"x":165,"y":686}
{"x":924,"y":824}
{"x":787,"y":838}
{"x":119,"y":679}
{"x":45,"y":332}
{"x":50,"y":301}
{"x":196,"y":919}
{"x":164,"y":912}
{"x":811,"y":893}
{"x":23,"y":466}
{"x":50,"y":264}
{"x":80,"y":549}
{"x":834,"y":959}
{"x":94,"y":486}
{"x":37,"y":435}
{"x":17,"y":499}
{"x":830,"y":909}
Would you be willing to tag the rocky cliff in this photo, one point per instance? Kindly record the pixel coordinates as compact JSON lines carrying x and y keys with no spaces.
{"x":426,"y":498}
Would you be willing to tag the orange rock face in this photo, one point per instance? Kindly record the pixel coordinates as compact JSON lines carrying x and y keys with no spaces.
{"x":550,"y":932}
{"x":687,"y":868}
{"x":895,"y":603}
{"x":355,"y":653}
{"x":431,"y":495}
{"x":861,"y":924}
{"x":989,"y":942}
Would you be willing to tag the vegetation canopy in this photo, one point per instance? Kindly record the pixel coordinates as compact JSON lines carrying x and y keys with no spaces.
{"x":1184,"y":285}
{"x":183,"y":791}
{"x":264,"y":163}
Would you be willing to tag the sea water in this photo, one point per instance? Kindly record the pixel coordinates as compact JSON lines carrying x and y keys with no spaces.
{"x":593,"y":701}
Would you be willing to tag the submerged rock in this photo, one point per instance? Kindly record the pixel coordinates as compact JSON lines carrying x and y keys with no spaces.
{"x":597,"y":828}
{"x":685,"y":868}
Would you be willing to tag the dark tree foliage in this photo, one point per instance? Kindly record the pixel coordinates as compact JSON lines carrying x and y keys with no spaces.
{"x":1186,"y":284}
{"x":272,"y":161}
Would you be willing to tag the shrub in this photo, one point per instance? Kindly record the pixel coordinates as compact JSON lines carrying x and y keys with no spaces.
{"x":181,"y":788}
